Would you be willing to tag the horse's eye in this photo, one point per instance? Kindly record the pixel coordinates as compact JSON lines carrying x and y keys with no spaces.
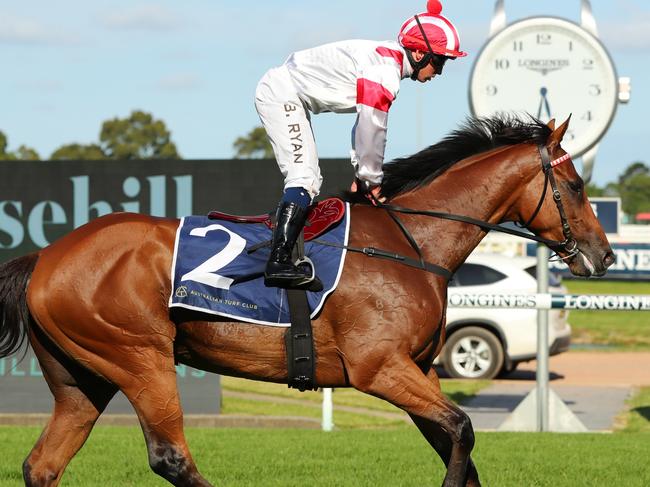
{"x":577,"y":186}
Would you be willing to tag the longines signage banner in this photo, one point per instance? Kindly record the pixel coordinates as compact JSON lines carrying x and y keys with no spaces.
{"x":622,"y":302}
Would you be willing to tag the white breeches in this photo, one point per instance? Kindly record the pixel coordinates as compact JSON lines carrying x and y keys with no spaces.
{"x":288,"y":126}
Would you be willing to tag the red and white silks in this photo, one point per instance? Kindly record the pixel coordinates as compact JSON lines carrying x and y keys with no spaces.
{"x":343,"y":77}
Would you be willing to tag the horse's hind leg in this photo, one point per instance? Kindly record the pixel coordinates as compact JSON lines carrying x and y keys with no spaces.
{"x":79,"y":399}
{"x":439,"y":439}
{"x":448,"y":429}
{"x":153,"y":393}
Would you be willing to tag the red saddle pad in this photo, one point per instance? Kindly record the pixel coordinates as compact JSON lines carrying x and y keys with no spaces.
{"x":322,"y":216}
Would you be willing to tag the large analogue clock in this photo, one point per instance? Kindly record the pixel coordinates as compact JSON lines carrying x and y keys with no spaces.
{"x":550,"y":68}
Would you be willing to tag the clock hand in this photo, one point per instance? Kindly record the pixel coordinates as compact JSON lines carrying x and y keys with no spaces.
{"x":543,"y":103}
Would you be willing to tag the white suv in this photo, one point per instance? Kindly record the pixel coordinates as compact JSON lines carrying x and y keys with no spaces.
{"x":482,"y":343}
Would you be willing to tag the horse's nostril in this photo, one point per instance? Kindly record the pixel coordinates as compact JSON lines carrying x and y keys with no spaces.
{"x":609,"y":259}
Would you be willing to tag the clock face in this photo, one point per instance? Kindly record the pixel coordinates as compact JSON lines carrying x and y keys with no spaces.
{"x":549,"y":68}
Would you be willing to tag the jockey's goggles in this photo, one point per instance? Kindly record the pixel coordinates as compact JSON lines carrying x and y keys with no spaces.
{"x":438,"y":62}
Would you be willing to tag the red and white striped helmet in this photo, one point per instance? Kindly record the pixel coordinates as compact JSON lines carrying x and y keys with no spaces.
{"x":441,"y":33}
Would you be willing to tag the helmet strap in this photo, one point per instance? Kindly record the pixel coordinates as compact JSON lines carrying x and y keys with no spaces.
{"x":424,"y":35}
{"x":417,"y":65}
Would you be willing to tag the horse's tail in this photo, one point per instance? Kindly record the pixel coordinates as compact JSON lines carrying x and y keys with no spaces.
{"x":14,"y":314}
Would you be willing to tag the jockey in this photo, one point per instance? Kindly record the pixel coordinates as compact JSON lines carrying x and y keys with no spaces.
{"x":355,"y":76}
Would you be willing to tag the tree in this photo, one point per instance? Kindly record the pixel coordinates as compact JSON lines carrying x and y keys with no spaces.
{"x":23,"y":153}
{"x":635,"y":194}
{"x":137,"y":137}
{"x":593,"y":190}
{"x":253,"y":145}
{"x":633,"y":170}
{"x":633,"y":188}
{"x":3,"y":144}
{"x":611,"y":190}
{"x":78,"y":152}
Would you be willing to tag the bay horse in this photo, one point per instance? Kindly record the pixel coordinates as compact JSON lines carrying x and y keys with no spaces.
{"x":94,"y":304}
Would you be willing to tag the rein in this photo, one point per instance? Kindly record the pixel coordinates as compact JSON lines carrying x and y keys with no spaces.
{"x":568,"y":245}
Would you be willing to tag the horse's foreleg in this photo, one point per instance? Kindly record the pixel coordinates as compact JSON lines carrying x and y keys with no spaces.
{"x":153,"y":393}
{"x":439,"y":439}
{"x":80,"y":398}
{"x":447,"y":428}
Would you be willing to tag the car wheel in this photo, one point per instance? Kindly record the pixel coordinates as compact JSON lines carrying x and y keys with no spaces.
{"x":473,"y":353}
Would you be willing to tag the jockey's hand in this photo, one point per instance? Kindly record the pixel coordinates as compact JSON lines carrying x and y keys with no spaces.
{"x":372,"y":192}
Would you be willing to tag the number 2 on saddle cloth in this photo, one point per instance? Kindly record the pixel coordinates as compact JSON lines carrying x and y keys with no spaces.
{"x":219,"y":262}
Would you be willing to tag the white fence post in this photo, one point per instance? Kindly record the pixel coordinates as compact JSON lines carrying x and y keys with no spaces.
{"x":542,"y":372}
{"x":328,"y":408}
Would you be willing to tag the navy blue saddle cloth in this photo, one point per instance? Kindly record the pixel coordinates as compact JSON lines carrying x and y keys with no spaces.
{"x":213,"y":265}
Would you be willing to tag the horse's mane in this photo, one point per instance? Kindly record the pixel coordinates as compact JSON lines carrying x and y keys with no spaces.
{"x":474,"y":136}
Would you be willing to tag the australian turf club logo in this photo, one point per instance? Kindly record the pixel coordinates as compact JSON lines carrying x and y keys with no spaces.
{"x":181,"y":292}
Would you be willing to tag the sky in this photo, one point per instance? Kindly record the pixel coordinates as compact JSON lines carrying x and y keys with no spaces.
{"x":69,"y":65}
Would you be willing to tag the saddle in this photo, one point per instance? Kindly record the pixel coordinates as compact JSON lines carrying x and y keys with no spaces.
{"x":322,"y":216}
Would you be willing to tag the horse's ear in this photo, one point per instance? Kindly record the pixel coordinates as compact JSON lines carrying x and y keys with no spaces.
{"x":558,"y":134}
{"x":551,"y":124}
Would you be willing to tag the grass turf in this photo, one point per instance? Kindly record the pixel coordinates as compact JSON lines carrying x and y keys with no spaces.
{"x":395,"y":457}
{"x":352,"y":409}
{"x":456,"y":390}
{"x":622,"y":330}
{"x":637,"y":418}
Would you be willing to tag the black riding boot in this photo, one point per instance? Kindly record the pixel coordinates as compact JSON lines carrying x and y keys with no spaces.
{"x":280,"y":269}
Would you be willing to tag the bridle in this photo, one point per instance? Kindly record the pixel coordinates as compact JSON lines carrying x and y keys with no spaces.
{"x":568,"y":245}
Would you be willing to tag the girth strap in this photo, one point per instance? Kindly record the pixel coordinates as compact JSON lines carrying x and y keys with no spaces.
{"x":300,"y":343}
{"x":298,"y":339}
